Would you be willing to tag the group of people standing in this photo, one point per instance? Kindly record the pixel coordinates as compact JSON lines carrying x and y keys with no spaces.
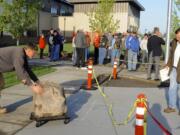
{"x":113,"y":46}
{"x":55,"y":45}
{"x":149,"y":48}
{"x":127,"y":48}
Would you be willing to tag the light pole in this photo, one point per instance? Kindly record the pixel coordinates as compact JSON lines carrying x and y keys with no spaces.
{"x":64,"y":27}
{"x":38,"y":23}
{"x":170,"y":3}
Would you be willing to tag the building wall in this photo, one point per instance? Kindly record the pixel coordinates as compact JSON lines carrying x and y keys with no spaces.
{"x":81,"y":20}
{"x":133,"y":17}
{"x":45,"y":21}
{"x":124,"y":12}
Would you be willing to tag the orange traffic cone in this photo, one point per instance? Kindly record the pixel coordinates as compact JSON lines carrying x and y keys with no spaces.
{"x":140,"y":114}
{"x":89,"y":78}
{"x":90,"y":68}
{"x":115,"y":69}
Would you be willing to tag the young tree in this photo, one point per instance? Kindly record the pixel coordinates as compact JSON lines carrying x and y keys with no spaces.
{"x":102,"y":19}
{"x":18,"y":15}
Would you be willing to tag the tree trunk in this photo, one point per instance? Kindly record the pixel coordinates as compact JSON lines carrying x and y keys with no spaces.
{"x":17,"y":42}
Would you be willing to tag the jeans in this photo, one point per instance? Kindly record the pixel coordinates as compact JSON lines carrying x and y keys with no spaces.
{"x":102,"y":55}
{"x":74,"y":56}
{"x":109,"y":53}
{"x":157,"y":61}
{"x":86,"y":53}
{"x":174,"y":92}
{"x":132,"y":60}
{"x":55,"y":52}
{"x":115,"y":54}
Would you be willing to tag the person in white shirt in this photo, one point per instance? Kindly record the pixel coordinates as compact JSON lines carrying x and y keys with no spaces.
{"x":174,"y":71}
{"x":144,"y":49}
{"x":74,"y":55}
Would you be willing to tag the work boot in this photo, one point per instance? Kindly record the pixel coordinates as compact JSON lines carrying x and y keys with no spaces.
{"x":169,"y":110}
{"x":2,"y":110}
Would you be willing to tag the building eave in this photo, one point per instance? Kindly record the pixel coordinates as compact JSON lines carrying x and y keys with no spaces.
{"x":133,"y":2}
{"x":65,"y":2}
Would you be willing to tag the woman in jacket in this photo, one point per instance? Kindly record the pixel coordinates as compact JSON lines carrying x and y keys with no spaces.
{"x":42,"y":45}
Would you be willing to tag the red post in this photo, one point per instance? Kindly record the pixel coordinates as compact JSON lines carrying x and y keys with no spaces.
{"x":140,"y":114}
{"x":89,"y":80}
{"x":115,"y":69}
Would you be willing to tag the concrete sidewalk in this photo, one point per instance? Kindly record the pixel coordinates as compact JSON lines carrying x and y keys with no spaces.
{"x":89,"y":114}
{"x":87,"y":109}
{"x":18,"y":98}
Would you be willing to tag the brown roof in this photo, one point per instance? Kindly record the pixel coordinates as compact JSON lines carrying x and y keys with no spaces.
{"x":134,"y":2}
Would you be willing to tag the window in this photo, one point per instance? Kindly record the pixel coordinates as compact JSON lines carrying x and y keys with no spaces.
{"x":54,"y":10}
{"x":66,"y":10}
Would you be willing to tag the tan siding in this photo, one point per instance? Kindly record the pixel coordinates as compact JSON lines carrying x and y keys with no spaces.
{"x":77,"y":23}
{"x":45,"y":21}
{"x":125,"y":13}
{"x":118,"y":7}
{"x":133,"y":17}
{"x":84,"y":7}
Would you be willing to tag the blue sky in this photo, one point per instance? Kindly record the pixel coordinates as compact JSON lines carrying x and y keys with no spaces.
{"x":155,"y":14}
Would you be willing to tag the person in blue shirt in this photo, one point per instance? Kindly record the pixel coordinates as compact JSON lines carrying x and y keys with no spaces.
{"x":132,"y":45}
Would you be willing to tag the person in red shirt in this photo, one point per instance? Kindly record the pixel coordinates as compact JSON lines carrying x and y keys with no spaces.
{"x":42,"y":45}
{"x":96,"y":43}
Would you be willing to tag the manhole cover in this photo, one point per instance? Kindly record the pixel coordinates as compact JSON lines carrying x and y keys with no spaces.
{"x":131,"y":82}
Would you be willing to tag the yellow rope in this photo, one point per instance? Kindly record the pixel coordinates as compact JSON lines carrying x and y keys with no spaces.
{"x":110,"y":105}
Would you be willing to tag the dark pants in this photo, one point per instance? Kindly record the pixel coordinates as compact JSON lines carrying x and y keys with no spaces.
{"x":61,"y":50}
{"x":96,"y":55}
{"x":41,"y":53}
{"x":80,"y":61}
{"x":49,"y":50}
{"x":156,"y":61}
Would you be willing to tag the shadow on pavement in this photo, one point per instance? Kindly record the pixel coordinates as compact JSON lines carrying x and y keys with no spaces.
{"x":12,"y":107}
{"x":72,"y":87}
{"x":75,"y":102}
{"x":75,"y":83}
{"x":152,"y":127}
{"x":2,"y":133}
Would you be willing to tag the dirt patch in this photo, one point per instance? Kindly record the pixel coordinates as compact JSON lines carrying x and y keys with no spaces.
{"x":131,"y":82}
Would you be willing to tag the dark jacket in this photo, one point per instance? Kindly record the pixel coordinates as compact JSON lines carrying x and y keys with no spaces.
{"x":13,"y":58}
{"x":80,"y":40}
{"x":57,"y":40}
{"x":154,"y":45}
{"x":171,"y":60}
